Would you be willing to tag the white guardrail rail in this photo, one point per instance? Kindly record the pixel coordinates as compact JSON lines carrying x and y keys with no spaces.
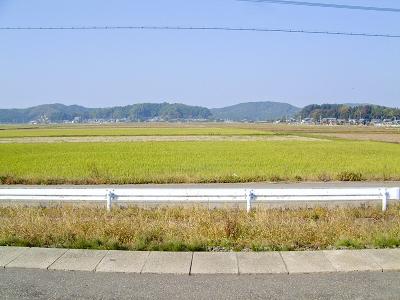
{"x":197,"y":195}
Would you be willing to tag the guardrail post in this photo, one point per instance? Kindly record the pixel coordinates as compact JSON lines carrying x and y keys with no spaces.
{"x":384,"y":199}
{"x":110,"y":196}
{"x":249,"y":199}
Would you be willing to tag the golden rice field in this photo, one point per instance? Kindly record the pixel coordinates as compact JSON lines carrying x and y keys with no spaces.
{"x":195,"y":153}
{"x":198,"y":162}
{"x":82,"y":131}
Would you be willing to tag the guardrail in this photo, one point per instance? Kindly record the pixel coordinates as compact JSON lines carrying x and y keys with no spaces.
{"x":198,"y":195}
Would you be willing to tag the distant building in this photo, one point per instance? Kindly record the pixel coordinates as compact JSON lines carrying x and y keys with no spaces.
{"x":307,"y":121}
{"x":329,"y":121}
{"x":387,"y":122}
{"x":376,"y":122}
{"x":353,"y":122}
{"x":77,"y":120}
{"x":291,"y":121}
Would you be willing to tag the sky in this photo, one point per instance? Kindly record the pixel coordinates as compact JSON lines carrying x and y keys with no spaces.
{"x":213,"y":69}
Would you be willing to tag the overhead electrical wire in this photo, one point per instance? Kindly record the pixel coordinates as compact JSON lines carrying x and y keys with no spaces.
{"x":204,"y":28}
{"x":328,"y":5}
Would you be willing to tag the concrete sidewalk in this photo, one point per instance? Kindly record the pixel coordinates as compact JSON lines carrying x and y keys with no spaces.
{"x":201,"y":262}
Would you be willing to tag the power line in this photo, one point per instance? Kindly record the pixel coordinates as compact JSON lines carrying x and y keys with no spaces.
{"x":328,"y":5}
{"x":205,"y":28}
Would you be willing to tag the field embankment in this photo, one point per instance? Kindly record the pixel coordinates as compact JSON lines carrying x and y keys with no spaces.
{"x":199,"y":229}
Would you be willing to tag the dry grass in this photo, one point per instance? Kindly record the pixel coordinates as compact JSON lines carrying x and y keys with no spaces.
{"x":380,"y":137}
{"x":182,"y":229}
{"x":322,"y":129}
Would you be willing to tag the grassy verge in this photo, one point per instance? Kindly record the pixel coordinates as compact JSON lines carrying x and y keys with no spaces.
{"x":199,"y":229}
{"x":198,"y":162}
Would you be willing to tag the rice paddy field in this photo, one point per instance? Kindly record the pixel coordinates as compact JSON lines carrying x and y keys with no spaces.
{"x":196,"y":153}
{"x":75,"y":131}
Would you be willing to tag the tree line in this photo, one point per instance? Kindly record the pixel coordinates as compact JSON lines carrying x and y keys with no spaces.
{"x":343,"y":111}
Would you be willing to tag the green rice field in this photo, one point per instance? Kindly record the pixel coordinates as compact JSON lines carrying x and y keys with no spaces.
{"x":198,"y":162}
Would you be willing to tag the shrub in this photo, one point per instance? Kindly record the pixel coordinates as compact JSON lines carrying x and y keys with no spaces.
{"x":350,"y":176}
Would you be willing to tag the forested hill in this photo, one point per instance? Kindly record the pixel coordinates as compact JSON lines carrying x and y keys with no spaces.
{"x":255,"y":111}
{"x":252,"y":111}
{"x":135,"y":112}
{"x":342,"y":111}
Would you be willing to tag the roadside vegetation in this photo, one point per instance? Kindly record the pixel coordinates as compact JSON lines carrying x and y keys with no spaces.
{"x":198,"y":162}
{"x":199,"y":229}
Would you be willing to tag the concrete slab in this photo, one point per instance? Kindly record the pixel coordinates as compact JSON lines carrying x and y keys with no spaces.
{"x":214,"y":263}
{"x":352,"y":260}
{"x":123,"y":261}
{"x":307,"y":262}
{"x":8,"y":254}
{"x":79,"y":260}
{"x":388,"y":259}
{"x":36,"y":258}
{"x":261,"y":263}
{"x":168,"y":263}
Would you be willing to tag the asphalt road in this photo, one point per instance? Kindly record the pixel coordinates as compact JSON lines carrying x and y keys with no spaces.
{"x":35,"y":284}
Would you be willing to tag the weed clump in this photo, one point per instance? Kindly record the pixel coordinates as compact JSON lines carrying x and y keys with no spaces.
{"x":349,"y":176}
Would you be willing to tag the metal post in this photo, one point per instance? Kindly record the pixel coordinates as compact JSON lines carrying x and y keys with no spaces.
{"x":396,"y":192}
{"x":110,"y":196}
{"x":249,"y":199}
{"x":384,"y":199}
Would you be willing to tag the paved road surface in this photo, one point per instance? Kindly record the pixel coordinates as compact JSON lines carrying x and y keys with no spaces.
{"x":36,"y":284}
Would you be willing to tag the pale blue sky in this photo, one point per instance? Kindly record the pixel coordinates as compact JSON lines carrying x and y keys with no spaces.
{"x":214,"y":69}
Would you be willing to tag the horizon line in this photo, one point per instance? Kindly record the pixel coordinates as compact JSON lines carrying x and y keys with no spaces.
{"x":349,"y":103}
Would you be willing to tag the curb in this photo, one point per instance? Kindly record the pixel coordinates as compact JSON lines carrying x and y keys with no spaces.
{"x":192,"y":263}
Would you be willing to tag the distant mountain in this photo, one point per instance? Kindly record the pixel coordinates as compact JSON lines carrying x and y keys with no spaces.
{"x":54,"y":112}
{"x":147,"y":111}
{"x":343,"y":111}
{"x":255,"y":111}
{"x":136,"y":112}
{"x":251,"y":111}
